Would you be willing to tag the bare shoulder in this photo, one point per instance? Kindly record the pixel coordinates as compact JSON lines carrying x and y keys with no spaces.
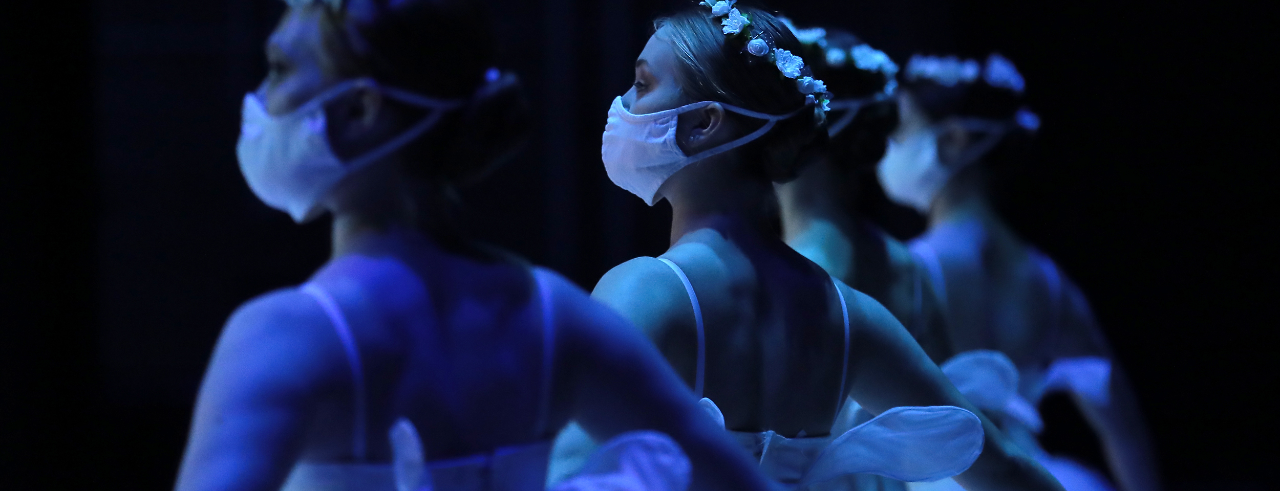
{"x":281,"y":341}
{"x":866,"y":311}
{"x":641,"y":272}
{"x":588,"y":333}
{"x":282,"y":313}
{"x":574,"y":312}
{"x":647,"y":292}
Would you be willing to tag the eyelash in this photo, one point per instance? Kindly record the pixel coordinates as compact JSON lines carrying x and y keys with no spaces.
{"x":638,"y":85}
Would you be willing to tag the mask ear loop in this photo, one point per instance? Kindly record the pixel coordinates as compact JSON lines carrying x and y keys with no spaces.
{"x":772,"y":121}
{"x":851,"y":107}
{"x":438,"y":108}
{"x":994,"y":130}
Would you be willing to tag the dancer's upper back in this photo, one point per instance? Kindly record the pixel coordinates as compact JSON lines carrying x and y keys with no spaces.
{"x":773,"y":332}
{"x":1001,"y":294}
{"x":456,"y":345}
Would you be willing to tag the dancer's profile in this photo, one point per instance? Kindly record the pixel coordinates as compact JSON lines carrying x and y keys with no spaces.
{"x":416,"y":358}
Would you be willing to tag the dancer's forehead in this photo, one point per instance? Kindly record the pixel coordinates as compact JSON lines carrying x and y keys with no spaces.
{"x":301,"y":65}
{"x":658,"y":56}
{"x":300,"y":38}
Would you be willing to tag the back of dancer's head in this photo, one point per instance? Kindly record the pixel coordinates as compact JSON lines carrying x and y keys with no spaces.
{"x":945,"y":88}
{"x":862,"y":80}
{"x":716,"y":67}
{"x":437,"y":48}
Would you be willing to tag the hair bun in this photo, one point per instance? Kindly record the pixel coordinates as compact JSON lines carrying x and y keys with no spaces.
{"x":863,"y":78}
{"x":791,"y":142}
{"x":495,"y":125}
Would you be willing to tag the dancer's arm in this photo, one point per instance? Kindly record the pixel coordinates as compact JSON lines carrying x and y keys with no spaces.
{"x":619,"y":382}
{"x":888,"y":369}
{"x":275,"y":357}
{"x":1118,"y":419}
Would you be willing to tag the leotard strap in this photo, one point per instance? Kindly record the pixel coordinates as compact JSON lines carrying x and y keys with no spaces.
{"x":844,"y":367}
{"x":548,"y":348}
{"x":340,"y":326}
{"x":697,"y":319}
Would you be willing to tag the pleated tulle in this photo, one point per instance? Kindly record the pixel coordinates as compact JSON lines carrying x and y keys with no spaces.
{"x":905,"y":443}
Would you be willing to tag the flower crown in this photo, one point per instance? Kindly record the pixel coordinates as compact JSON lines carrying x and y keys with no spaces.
{"x":759,"y":44}
{"x":998,"y":72}
{"x":864,"y":57}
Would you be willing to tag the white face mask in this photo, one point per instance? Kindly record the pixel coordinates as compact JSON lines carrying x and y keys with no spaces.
{"x":911,"y":173}
{"x":287,"y":159}
{"x":640,"y":151}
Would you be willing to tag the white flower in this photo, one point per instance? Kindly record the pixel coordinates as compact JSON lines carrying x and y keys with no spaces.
{"x":1001,"y":73}
{"x":970,"y":70}
{"x":758,"y":47}
{"x":810,"y":99}
{"x":720,"y":8}
{"x":944,"y":71}
{"x":836,"y":57}
{"x":789,"y":64}
{"x":805,"y":84}
{"x":808,"y":85}
{"x":867,"y":58}
{"x":891,"y":87}
{"x":735,"y":22}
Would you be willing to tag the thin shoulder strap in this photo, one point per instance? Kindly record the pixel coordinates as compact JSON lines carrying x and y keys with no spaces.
{"x":548,"y":353}
{"x":929,"y":258}
{"x":697,"y":320}
{"x":340,"y":326}
{"x":844,"y":366}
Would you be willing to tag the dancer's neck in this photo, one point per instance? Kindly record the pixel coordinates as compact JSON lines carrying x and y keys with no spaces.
{"x":717,"y":193}
{"x":398,"y":210}
{"x":821,"y":194}
{"x":962,"y":200}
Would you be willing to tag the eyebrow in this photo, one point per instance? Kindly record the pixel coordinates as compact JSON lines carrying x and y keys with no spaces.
{"x":642,"y":61}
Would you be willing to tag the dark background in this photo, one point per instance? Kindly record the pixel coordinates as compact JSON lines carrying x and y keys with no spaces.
{"x":128,"y":235}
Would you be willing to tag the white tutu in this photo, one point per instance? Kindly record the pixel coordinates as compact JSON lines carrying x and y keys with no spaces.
{"x":905,"y":443}
{"x":636,"y":461}
{"x":990,"y":381}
